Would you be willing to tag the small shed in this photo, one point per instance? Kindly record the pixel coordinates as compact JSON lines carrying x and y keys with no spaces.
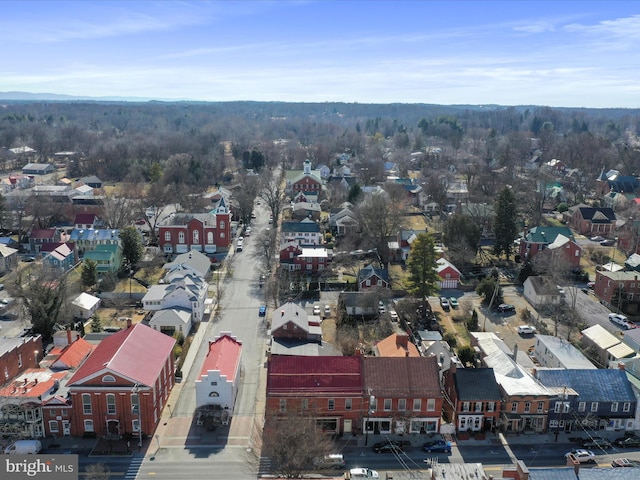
{"x":85,"y":305}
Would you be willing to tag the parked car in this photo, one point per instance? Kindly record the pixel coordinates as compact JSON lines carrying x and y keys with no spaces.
{"x":597,"y":238}
{"x":620,"y":320}
{"x":316,"y":309}
{"x":387,"y":447}
{"x":596,"y":442}
{"x":581,"y":455}
{"x":438,"y":446}
{"x":262,"y":311}
{"x":631,"y":441}
{"x":624,"y":462}
{"x":453,"y":301}
{"x":327,"y":311}
{"x":444,"y":303}
{"x":608,"y":243}
{"x":526,"y":330}
{"x":394,"y":315}
{"x":333,"y":461}
{"x":506,"y":307}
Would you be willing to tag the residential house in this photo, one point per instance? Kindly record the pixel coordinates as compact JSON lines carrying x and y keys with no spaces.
{"x":556,"y":352}
{"x":219,"y":380}
{"x":19,"y":354}
{"x":541,"y":291}
{"x":90,"y":239}
{"x":592,"y":221}
{"x":403,"y":243}
{"x":22,"y":396}
{"x":41,"y":236}
{"x":526,"y":402}
{"x":343,"y":221}
{"x":83,"y":190}
{"x":632,"y":338}
{"x":59,"y":256}
{"x":403,"y":395}
{"x":172,"y":320}
{"x":116,"y":394}
{"x":108,"y":258}
{"x":359,"y":303}
{"x":396,"y":345}
{"x":308,"y":259}
{"x":328,"y":387}
{"x":192,"y":262}
{"x":188,"y":292}
{"x":618,"y":288}
{"x":448,"y":273}
{"x":556,"y":239}
{"x":603,"y":400}
{"x":8,"y":258}
{"x":473,"y":399}
{"x":306,"y":181}
{"x":69,"y":356}
{"x":203,"y":232}
{"x":306,"y":210}
{"x":84,"y":306}
{"x":483,"y":215}
{"x":631,"y":367}
{"x":92,"y":181}
{"x":86,"y":221}
{"x":372,"y":277}
{"x":292,"y":322}
{"x":305,"y":232}
{"x":602,"y":347}
{"x":628,"y":233}
{"x":38,"y":169}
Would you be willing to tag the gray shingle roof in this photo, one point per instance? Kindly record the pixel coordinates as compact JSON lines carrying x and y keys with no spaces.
{"x":476,"y":384}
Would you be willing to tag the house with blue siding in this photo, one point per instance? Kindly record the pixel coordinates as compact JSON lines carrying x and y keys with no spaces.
{"x":589,"y":399}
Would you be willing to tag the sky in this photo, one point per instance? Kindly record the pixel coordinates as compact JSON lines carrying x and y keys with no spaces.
{"x":510,"y":52}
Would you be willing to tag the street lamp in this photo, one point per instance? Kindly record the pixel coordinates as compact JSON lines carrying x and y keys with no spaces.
{"x":135,"y":390}
{"x":35,"y":356}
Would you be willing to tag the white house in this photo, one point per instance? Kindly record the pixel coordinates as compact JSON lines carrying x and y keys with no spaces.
{"x":541,"y":291}
{"x":193,"y":262}
{"x":217,"y":384}
{"x":172,"y":320}
{"x":188,"y":292}
{"x":85,"y":305}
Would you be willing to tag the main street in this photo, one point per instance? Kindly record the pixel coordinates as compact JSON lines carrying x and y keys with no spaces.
{"x":202,"y":454}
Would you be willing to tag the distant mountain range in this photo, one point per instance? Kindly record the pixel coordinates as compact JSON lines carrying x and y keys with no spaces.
{"x":26,"y":96}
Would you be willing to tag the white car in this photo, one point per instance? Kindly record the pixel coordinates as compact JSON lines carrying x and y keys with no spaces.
{"x":620,"y":320}
{"x":316,"y":309}
{"x":394,"y":315}
{"x":327,"y":311}
{"x":526,"y":329}
{"x":582,"y":455}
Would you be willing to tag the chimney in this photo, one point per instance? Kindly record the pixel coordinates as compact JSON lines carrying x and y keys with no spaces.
{"x":69,"y":341}
{"x":282,"y":313}
{"x":621,"y":366}
{"x":402,"y":340}
{"x":128,"y":322}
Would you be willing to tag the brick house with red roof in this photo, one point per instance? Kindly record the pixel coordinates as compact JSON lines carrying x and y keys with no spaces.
{"x":328,"y":388}
{"x":218,"y":382}
{"x":123,"y":386}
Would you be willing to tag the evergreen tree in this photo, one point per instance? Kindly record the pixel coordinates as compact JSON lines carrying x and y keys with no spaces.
{"x":132,"y":249}
{"x":89,"y":274}
{"x":505,"y":226}
{"x":96,"y":324}
{"x":423,"y":278}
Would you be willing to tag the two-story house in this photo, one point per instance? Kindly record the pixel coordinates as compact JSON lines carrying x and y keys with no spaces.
{"x":305,"y":232}
{"x":307,"y":258}
{"x":621,"y":288}
{"x":121,"y":389}
{"x":372,"y":277}
{"x":557,"y":240}
{"x":473,"y":398}
{"x":188,"y":292}
{"x":603,"y":399}
{"x":343,"y":221}
{"x":291,"y":322}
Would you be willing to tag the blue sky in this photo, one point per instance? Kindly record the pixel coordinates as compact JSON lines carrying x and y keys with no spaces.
{"x":556,"y":53}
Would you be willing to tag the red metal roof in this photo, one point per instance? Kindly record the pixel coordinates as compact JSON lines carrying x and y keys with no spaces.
{"x":138,"y":353}
{"x":73,"y":355}
{"x":298,"y":375}
{"x":43,"y":233}
{"x":31,"y":384}
{"x":224,"y":356}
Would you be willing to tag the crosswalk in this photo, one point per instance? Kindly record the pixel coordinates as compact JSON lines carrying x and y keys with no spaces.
{"x":134,"y":467}
{"x":264,"y":468}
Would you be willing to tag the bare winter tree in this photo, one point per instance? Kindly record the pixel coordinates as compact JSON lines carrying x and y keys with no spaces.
{"x":273,"y":195}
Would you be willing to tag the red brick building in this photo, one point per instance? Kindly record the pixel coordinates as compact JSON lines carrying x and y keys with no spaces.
{"x":124,"y":384}
{"x":625,"y":284}
{"x":205,"y":232}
